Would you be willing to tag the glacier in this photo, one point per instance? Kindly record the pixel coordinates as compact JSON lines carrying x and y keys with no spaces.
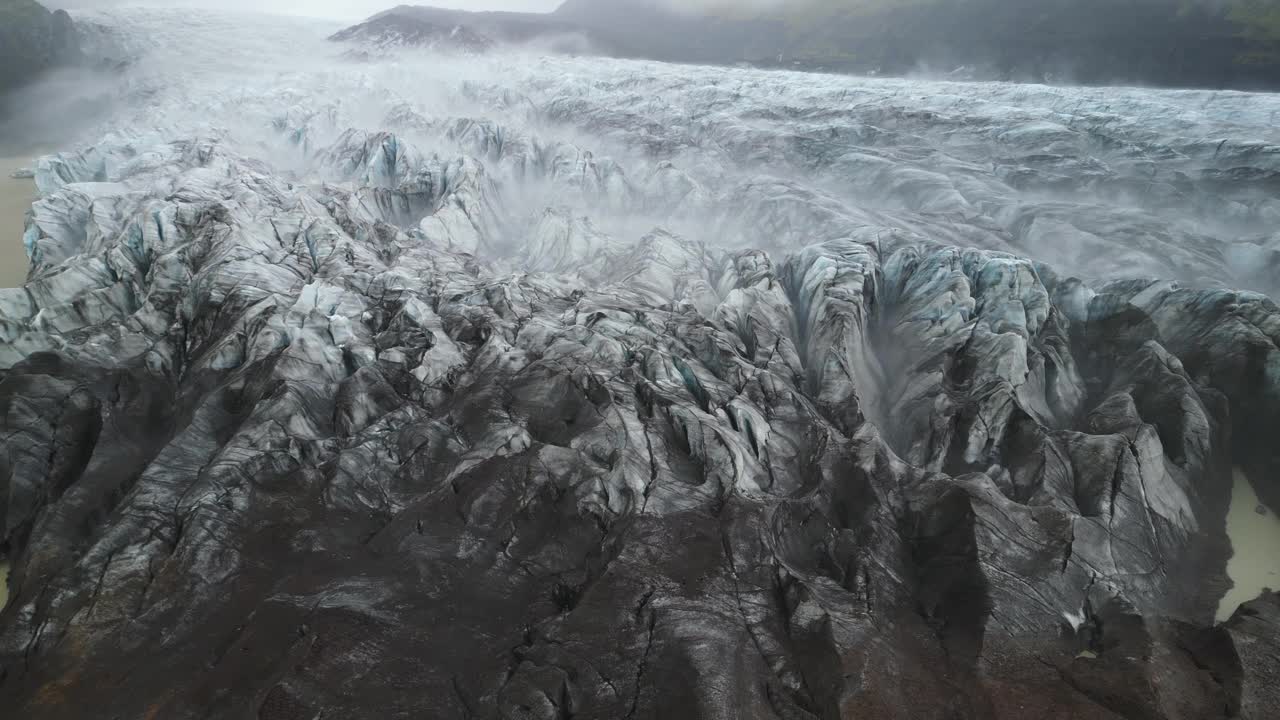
{"x":524,"y":386}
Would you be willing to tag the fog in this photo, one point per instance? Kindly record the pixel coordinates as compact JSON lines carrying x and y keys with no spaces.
{"x":740,"y":6}
{"x":1060,"y":174}
{"x":343,"y":9}
{"x":1056,"y":173}
{"x":350,"y":9}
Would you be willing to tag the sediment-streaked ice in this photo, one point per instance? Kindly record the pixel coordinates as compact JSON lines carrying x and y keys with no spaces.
{"x":521,"y":386}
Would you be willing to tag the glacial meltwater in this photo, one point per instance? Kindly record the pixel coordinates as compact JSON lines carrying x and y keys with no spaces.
{"x":1255,"y":538}
{"x":16,"y":196}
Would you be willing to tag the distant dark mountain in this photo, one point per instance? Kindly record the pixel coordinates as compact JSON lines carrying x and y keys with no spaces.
{"x":624,"y":28}
{"x":1204,"y":43}
{"x":1208,"y":43}
{"x":400,"y":29}
{"x":1198,"y":43}
{"x":503,"y":26}
{"x":650,"y":28}
{"x":33,"y":40}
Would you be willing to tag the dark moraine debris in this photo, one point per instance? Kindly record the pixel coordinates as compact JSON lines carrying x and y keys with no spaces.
{"x":861,"y":480}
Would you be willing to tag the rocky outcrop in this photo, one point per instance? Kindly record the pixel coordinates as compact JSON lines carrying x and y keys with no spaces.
{"x":406,"y":31}
{"x":1194,"y":43}
{"x":33,"y":40}
{"x":458,"y":416}
{"x":447,"y":29}
{"x":1253,"y":632}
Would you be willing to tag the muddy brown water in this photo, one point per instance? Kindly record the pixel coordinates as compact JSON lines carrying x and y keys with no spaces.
{"x":16,"y":196}
{"x":1255,"y":538}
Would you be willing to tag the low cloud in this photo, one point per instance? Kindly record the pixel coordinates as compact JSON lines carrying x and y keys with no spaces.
{"x":316,"y":8}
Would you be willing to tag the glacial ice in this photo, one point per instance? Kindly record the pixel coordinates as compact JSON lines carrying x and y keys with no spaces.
{"x":519,"y":386}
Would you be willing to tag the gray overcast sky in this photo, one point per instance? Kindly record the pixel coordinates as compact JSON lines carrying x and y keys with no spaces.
{"x":322,"y":8}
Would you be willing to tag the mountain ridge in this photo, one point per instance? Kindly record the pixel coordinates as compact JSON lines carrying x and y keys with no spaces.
{"x":33,"y":39}
{"x":1202,"y":43}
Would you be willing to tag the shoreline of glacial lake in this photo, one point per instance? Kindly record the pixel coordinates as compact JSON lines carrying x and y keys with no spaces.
{"x":16,"y":196}
{"x":1255,"y":543}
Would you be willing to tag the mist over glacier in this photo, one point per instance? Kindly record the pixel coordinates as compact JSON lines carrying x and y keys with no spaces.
{"x":1106,"y":182}
{"x":356,"y":380}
